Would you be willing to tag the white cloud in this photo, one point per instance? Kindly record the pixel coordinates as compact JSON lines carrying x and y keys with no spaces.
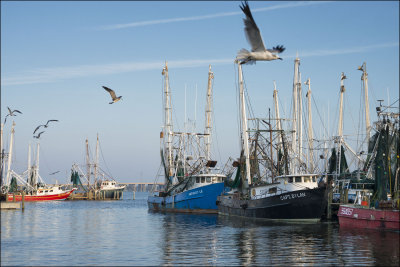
{"x":211,"y":16}
{"x":48,"y":75}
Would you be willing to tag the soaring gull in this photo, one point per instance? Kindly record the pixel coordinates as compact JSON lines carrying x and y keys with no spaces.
{"x":11,"y":113}
{"x":253,"y":36}
{"x":113,"y":95}
{"x":45,"y":125}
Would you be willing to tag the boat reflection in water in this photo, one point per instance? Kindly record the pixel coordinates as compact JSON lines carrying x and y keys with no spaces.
{"x":200,"y":239}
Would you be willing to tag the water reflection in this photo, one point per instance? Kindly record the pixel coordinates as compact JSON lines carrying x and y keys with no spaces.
{"x":380,"y":247}
{"x":126,"y":233}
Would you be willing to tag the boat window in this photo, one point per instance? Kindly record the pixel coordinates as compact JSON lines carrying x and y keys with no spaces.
{"x":297,"y":179}
{"x":51,"y":190}
{"x":208,"y":179}
{"x":203,"y":179}
{"x":272,"y":190}
{"x":313,"y":179}
{"x":307,"y":179}
{"x":46,"y":191}
{"x":221,"y":179}
{"x":197,"y":179}
{"x":290,"y":179}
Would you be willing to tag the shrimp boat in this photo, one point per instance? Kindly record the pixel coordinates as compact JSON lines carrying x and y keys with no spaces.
{"x":275,"y":181}
{"x":34,"y":187}
{"x":43,"y":194}
{"x":192,"y":183}
{"x":380,"y":210}
{"x":104,"y":187}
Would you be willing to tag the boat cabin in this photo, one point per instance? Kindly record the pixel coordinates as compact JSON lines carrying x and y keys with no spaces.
{"x":50,"y":191}
{"x":284,"y":184}
{"x":206,"y":179}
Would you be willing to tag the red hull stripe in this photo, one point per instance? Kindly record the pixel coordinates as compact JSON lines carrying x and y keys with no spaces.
{"x":41,"y":198}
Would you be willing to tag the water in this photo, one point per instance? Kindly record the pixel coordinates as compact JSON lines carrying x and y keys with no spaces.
{"x":126,"y":233}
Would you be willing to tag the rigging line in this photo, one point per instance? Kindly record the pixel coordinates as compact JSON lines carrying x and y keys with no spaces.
{"x":319,"y":115}
{"x":101,"y":151}
{"x":215,"y":125}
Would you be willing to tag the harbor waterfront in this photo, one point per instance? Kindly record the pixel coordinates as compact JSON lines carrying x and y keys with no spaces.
{"x":125,"y":232}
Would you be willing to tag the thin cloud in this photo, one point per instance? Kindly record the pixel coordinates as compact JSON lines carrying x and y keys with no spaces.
{"x":204,"y":17}
{"x":48,"y":75}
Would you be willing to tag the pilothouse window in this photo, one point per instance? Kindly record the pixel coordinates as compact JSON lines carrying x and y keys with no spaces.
{"x":297,"y":179}
{"x":203,"y":179}
{"x":197,"y":179}
{"x":208,"y":179}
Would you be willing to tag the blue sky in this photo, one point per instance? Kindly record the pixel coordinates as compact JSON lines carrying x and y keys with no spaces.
{"x":55,"y":56}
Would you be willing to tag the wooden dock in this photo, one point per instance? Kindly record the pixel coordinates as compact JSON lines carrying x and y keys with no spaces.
{"x":10,"y":205}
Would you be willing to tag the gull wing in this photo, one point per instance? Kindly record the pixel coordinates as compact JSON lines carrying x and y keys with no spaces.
{"x":252,"y":32}
{"x":50,"y":121}
{"x":37,"y":129}
{"x":112,"y":93}
{"x":277,"y":49}
{"x":15,"y":110}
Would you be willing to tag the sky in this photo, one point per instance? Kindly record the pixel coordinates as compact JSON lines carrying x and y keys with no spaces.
{"x":57,"y":55}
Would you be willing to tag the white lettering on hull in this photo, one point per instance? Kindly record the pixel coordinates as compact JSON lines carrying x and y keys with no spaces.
{"x":293,"y":196}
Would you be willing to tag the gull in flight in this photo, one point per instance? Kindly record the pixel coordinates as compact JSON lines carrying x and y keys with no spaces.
{"x":38,"y":136}
{"x":253,"y":35}
{"x":45,"y":125}
{"x":113,"y":95}
{"x":11,"y":113}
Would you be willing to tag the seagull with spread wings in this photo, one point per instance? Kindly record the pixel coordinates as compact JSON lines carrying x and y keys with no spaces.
{"x":113,"y":95}
{"x":45,"y":125}
{"x":253,"y":35}
{"x":11,"y":113}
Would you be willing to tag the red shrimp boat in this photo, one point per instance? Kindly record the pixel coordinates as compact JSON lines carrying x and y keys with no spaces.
{"x":44,"y":194}
{"x":353,"y":216}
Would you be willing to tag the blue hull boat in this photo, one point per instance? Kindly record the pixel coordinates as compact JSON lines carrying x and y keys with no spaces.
{"x":197,"y":200}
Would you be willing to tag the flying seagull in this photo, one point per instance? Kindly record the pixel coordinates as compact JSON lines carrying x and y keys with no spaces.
{"x":11,"y":113}
{"x":45,"y":125}
{"x":54,"y":173}
{"x":253,"y":36}
{"x":38,"y":136}
{"x":113,"y":95}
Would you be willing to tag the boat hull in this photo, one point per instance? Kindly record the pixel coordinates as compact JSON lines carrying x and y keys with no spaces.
{"x":301,"y":205}
{"x":351,"y":216}
{"x":198,"y":200}
{"x":112,"y":193}
{"x":60,"y":196}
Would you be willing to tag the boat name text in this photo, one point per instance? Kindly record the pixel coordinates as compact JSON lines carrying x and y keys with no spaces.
{"x":292,"y":196}
{"x":346,"y":211}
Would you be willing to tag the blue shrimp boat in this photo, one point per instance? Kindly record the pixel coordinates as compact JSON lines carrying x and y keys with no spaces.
{"x":192,"y":183}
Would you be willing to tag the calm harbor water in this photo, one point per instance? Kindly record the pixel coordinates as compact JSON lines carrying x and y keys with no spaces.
{"x":126,"y":233}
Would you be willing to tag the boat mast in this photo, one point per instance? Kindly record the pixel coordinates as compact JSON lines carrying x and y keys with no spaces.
{"x":10,"y":154}
{"x":209,"y":114}
{"x":340,"y":125}
{"x":277,"y":115}
{"x":96,"y":163}
{"x":300,"y":118}
{"x":36,"y":166}
{"x":29,"y":163}
{"x":87,"y":163}
{"x":364,"y":78}
{"x":245,"y":135}
{"x":167,"y":121}
{"x":310,"y":129}
{"x":294,"y":123}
